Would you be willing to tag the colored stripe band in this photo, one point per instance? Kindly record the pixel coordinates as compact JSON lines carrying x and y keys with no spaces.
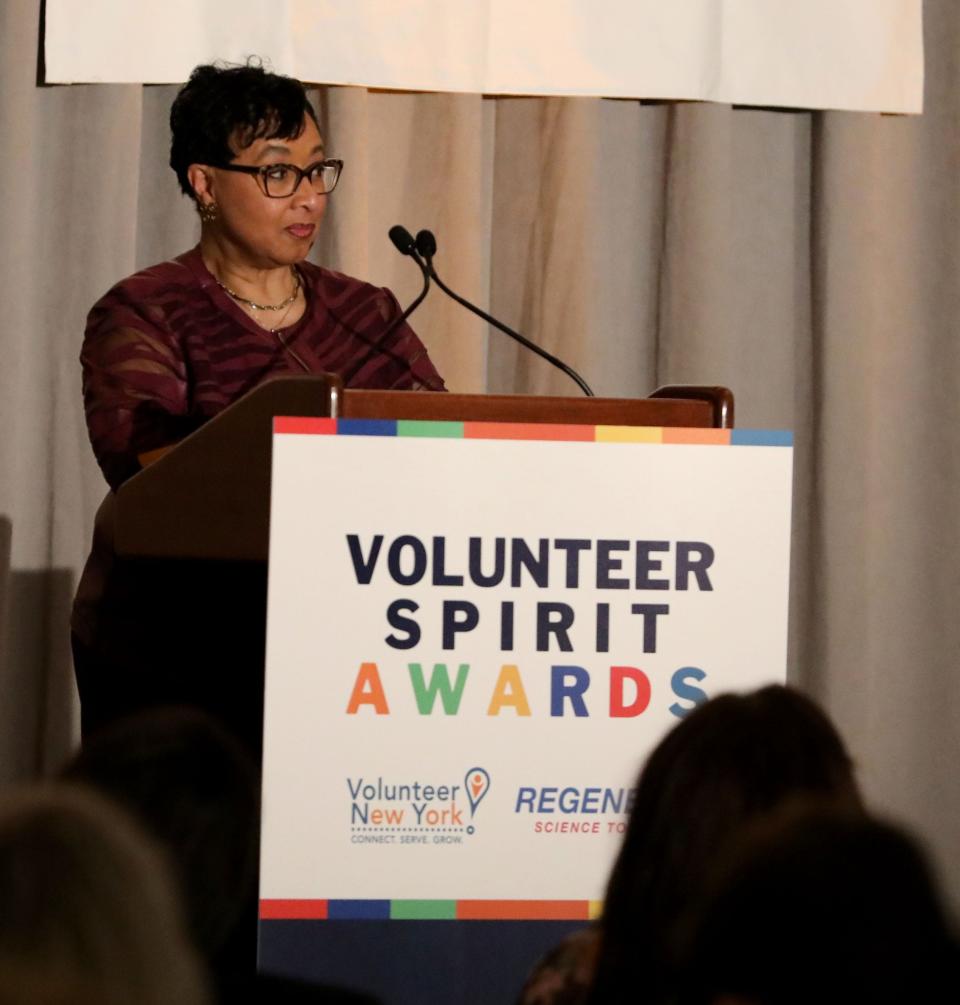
{"x":434,"y":430}
{"x":533,"y":431}
{"x":304,"y":425}
{"x":629,"y":434}
{"x":527,"y":431}
{"x":429,"y":910}
{"x":423,"y":910}
{"x":358,"y":910}
{"x":289,"y":910}
{"x":761,"y":438}
{"x":700,"y":437}
{"x":367,"y":427}
{"x":523,"y":910}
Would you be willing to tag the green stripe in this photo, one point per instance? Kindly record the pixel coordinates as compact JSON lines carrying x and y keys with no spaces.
{"x":435,"y":430}
{"x":423,"y":910}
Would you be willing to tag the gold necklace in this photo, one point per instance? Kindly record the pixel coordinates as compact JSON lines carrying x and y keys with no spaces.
{"x":265,"y":307}
{"x":275,"y":330}
{"x":283,"y":343}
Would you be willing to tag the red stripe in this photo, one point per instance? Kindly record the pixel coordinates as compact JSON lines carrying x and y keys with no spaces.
{"x":527,"y":431}
{"x":523,"y":910}
{"x":292,"y":424}
{"x":290,"y":910}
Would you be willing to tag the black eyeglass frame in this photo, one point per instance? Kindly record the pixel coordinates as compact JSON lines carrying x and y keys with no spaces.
{"x":261,"y":174}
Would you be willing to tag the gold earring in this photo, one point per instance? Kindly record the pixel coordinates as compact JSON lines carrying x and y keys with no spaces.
{"x":207,"y":211}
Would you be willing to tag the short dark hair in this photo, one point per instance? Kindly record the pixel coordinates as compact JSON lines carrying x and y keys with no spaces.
{"x":727,"y":763}
{"x":818,"y":904}
{"x":221,"y":109}
{"x":192,"y":788}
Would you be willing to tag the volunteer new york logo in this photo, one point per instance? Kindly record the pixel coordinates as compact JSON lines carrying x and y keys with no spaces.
{"x":410,"y":812}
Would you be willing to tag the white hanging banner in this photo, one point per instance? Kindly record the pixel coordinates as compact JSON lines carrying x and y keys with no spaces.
{"x":476,"y":632}
{"x":862,"y":55}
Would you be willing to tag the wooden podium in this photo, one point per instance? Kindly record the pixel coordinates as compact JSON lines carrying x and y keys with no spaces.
{"x":184,"y":607}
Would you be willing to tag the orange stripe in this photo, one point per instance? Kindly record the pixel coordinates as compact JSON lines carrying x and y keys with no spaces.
{"x":302,"y":424}
{"x":293,"y":909}
{"x":714,"y":437}
{"x":526,"y":431}
{"x":153,"y":455}
{"x":523,"y":910}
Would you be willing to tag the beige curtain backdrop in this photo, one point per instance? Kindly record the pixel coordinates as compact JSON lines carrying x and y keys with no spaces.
{"x":809,"y":261}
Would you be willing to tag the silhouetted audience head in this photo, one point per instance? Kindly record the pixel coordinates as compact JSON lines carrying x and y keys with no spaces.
{"x":89,"y":911}
{"x":817,"y":904}
{"x":194,"y":790}
{"x":728,"y":762}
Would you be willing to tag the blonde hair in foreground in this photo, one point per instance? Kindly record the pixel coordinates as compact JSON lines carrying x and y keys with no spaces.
{"x":89,"y":911}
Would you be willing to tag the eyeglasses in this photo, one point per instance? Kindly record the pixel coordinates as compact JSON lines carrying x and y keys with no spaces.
{"x":281,"y":180}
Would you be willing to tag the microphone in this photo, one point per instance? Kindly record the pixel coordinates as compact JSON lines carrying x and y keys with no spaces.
{"x":426,"y":246}
{"x":426,"y":243}
{"x":404,"y":243}
{"x":402,"y":240}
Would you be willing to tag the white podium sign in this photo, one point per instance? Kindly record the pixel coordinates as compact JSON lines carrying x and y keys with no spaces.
{"x":475,"y":634}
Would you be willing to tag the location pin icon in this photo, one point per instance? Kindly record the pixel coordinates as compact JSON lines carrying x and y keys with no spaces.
{"x":477,"y":783}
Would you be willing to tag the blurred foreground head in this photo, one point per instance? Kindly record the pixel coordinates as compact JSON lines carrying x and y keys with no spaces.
{"x":821,"y":905}
{"x":727,"y":763}
{"x":193,"y":789}
{"x":89,"y":913}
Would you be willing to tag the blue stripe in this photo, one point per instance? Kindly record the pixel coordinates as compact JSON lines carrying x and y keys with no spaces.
{"x":367,"y":427}
{"x":761,"y":438}
{"x":358,"y":910}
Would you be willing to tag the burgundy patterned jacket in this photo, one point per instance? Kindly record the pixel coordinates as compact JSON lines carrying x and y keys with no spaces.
{"x":166,"y":349}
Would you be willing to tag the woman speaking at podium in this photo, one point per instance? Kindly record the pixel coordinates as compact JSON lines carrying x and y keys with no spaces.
{"x":170,"y":347}
{"x":167,"y":349}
